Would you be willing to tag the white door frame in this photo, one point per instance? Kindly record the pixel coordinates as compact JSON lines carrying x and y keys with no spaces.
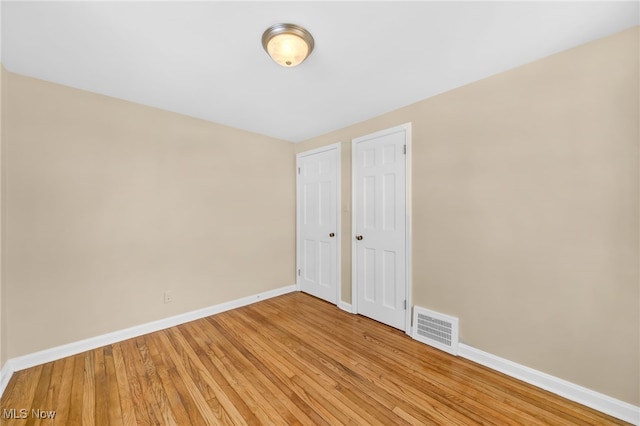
{"x":337,"y":147}
{"x":406,"y":128}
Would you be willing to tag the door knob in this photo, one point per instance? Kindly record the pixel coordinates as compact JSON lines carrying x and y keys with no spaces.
{"x":332,"y":235}
{"x":358,"y":237}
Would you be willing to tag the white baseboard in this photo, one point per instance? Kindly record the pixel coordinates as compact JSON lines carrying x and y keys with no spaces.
{"x":26,"y":361}
{"x":345,"y":306}
{"x":5,"y":375}
{"x":597,"y":401}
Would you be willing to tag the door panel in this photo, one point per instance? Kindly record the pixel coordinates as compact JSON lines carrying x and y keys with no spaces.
{"x":317,"y":221}
{"x":308,"y":260}
{"x":379,"y":218}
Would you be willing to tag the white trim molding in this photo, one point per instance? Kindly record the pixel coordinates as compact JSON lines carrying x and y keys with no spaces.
{"x":606,"y":404}
{"x":31,"y":360}
{"x":5,"y":375}
{"x":345,"y":306}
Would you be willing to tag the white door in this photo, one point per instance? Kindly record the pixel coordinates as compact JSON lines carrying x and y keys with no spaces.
{"x":381,"y":289}
{"x":318,"y":204}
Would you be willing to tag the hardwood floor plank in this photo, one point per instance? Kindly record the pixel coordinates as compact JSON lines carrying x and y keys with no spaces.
{"x":179,"y":406}
{"x":40,"y":394}
{"x":320,"y":358}
{"x":312,"y":385}
{"x":200,"y":342}
{"x":62,"y":398}
{"x":212,"y":409}
{"x":112,"y":390}
{"x":77,"y":387}
{"x":239,"y":363}
{"x":219,"y":356}
{"x":124,"y":392}
{"x":137,"y":384}
{"x":385,"y":377}
{"x":304,"y":397}
{"x":101,"y":392}
{"x":296,"y":410}
{"x":23,"y":393}
{"x":155,"y":411}
{"x":228,"y":408}
{"x":288,"y":360}
{"x":194,"y":373}
{"x":88,"y":390}
{"x":154,"y":384}
{"x":303,"y":368}
{"x":182,"y":380}
{"x":54,"y":387}
{"x":17,"y":381}
{"x":425,"y":382}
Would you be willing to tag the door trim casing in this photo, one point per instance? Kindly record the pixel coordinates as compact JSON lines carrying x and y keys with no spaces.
{"x":337,"y":147}
{"x":406,"y":128}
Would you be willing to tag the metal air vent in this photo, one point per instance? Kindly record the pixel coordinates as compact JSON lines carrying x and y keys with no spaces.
{"x":436,"y":329}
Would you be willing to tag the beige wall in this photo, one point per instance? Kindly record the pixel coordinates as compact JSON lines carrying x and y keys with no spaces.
{"x":110,"y":203}
{"x":525,"y":212}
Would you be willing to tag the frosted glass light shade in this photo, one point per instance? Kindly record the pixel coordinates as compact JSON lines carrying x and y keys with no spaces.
{"x":287,"y":44}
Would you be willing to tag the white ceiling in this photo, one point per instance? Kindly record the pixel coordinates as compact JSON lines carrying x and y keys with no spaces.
{"x":205,"y":59}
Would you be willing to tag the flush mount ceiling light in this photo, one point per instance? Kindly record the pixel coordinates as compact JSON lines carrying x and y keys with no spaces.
{"x":287,"y":44}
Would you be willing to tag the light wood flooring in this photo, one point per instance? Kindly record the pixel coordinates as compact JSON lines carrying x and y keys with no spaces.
{"x":289,"y":360}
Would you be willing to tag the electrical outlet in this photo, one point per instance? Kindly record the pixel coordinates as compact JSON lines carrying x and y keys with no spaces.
{"x":168,"y":296}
